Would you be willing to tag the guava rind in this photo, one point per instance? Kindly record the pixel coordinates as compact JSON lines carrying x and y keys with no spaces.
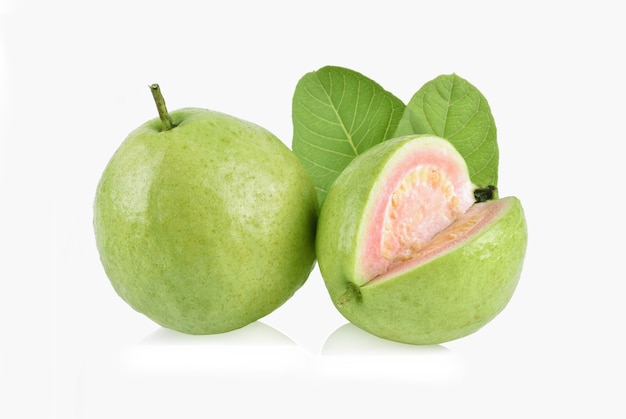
{"x":207,"y":227}
{"x":449,"y":296}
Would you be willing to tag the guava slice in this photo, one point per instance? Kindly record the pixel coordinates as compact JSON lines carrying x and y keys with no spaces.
{"x":405,"y":251}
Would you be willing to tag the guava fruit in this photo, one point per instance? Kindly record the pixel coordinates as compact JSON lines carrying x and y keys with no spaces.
{"x":407,"y":253}
{"x":204,"y":222}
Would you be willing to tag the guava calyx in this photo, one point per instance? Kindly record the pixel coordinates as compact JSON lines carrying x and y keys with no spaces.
{"x":485,"y":194}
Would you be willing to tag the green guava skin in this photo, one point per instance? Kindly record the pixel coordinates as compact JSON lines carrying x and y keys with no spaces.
{"x":446,"y":298}
{"x":205,"y":227}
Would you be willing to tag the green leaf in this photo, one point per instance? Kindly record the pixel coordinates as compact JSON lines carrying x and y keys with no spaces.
{"x":338,"y":114}
{"x":452,"y":108}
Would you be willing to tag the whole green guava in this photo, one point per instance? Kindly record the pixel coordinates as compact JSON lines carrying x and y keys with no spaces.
{"x":204,"y":222}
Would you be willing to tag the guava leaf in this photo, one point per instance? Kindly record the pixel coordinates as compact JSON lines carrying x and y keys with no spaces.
{"x":450,"y":107}
{"x":337,"y":114}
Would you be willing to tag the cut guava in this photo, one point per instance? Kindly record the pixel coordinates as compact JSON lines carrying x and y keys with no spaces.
{"x":405,"y":250}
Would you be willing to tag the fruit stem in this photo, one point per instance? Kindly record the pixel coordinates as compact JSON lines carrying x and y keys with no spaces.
{"x":166,"y":119}
{"x":352,"y":292}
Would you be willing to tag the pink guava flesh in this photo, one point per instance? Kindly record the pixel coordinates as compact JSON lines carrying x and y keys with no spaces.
{"x":427,"y":191}
{"x":474,"y":220}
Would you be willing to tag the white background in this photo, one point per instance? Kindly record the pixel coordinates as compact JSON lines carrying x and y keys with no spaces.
{"x":74,"y":83}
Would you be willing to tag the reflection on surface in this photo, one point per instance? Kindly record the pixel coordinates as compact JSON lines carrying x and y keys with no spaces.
{"x":256,"y":333}
{"x":172,"y":375}
{"x":354,"y":353}
{"x":253,"y":348}
{"x":168,"y":374}
{"x":350,"y":340}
